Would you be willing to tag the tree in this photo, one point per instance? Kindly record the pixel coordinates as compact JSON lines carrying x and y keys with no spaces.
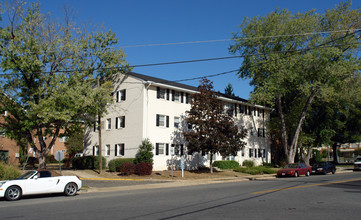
{"x":50,"y":74}
{"x":292,"y":59}
{"x":229,"y":90}
{"x":213,"y":129}
{"x":74,"y":141}
{"x":145,"y":152}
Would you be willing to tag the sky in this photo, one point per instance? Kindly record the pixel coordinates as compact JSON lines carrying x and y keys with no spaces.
{"x":144,"y":22}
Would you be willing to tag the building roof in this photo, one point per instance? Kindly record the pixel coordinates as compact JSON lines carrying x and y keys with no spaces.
{"x":180,"y":85}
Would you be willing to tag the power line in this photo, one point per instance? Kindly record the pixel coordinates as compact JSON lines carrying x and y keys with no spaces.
{"x":192,"y":61}
{"x":241,"y":38}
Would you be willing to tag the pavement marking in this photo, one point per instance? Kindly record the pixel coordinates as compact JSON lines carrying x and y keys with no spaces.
{"x":304,"y":186}
{"x":110,"y":179}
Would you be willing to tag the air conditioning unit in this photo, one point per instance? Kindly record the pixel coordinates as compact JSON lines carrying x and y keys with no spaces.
{"x":17,"y":155}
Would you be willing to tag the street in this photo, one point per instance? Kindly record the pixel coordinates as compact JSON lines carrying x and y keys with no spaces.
{"x":321,"y":196}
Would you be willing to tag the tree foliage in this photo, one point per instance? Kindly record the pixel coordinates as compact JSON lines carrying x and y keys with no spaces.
{"x":292,"y":59}
{"x":145,"y":152}
{"x":50,"y":75}
{"x":213,"y":129}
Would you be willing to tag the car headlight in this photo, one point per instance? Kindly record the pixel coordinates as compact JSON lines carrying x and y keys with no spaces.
{"x":319,"y":168}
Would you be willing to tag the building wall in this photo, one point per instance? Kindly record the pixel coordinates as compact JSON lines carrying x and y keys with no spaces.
{"x":141,"y":107}
{"x":132,"y":133}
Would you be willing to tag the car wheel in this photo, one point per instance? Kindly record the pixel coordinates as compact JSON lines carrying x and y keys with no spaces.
{"x":70,"y":189}
{"x":333,"y":171}
{"x":308,"y":173}
{"x":296,"y":174}
{"x":13,"y":193}
{"x":324,"y":172}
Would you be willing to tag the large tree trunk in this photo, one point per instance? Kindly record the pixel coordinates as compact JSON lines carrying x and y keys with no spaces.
{"x":283,"y":131}
{"x":335,"y":156}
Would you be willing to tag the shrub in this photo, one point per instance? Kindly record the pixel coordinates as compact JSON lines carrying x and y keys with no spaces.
{"x":114,"y":165}
{"x":255,"y":170}
{"x":88,"y":162}
{"x":50,"y":159}
{"x":8,"y":172}
{"x":143,"y":168}
{"x":248,"y":163}
{"x":226,"y":164}
{"x":145,"y":152}
{"x":127,"y":168}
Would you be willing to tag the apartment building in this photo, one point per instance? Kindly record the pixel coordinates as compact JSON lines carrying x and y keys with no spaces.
{"x":153,"y":108}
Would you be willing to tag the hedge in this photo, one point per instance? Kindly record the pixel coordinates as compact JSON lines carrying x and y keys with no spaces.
{"x":143,"y":168}
{"x":114,"y":165}
{"x":127,"y":168}
{"x":226,"y":164}
{"x":8,"y":172}
{"x":255,"y":170}
{"x":248,"y":163}
{"x":88,"y":162}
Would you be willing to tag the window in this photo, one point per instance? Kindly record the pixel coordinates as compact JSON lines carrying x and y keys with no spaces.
{"x":161,"y":149}
{"x":63,"y":139}
{"x":260,"y":153}
{"x":162,"y":121}
{"x":107,"y":150}
{"x":261,"y":132}
{"x":175,"y":96}
{"x":4,"y":114}
{"x":2,"y":132}
{"x":120,"y":95}
{"x":120,"y":122}
{"x":178,"y":149}
{"x":176,"y":122}
{"x":250,"y":152}
{"x":161,"y":93}
{"x":250,"y":109}
{"x":242,"y":152}
{"x":255,"y":153}
{"x":255,"y":111}
{"x":95,"y":150}
{"x":264,"y":153}
{"x":241,"y":109}
{"x":119,"y":150}
{"x":228,"y":108}
{"x":109,"y":124}
{"x":251,"y":131}
{"x":187,"y":98}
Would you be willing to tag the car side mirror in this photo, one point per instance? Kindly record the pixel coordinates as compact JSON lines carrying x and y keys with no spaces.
{"x":35,"y":177}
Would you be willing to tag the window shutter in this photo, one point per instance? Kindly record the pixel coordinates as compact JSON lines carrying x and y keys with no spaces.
{"x":182,"y":99}
{"x":187,"y":98}
{"x":116,"y":122}
{"x":181,"y":150}
{"x":158,"y":92}
{"x":167,"y":149}
{"x":157,"y":123}
{"x":167,"y":122}
{"x":93,"y":150}
{"x":116,"y":150}
{"x":167,"y":94}
{"x":156,"y":149}
{"x":123,"y":122}
{"x":117,"y":92}
{"x":123,"y":97}
{"x":173,"y":94}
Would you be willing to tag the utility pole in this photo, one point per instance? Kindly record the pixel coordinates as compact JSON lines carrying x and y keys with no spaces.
{"x":100,"y":139}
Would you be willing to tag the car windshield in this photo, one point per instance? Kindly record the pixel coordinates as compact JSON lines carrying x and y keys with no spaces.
{"x":292,"y":165}
{"x":26,"y":175}
{"x":321,"y":164}
{"x":358,"y":159}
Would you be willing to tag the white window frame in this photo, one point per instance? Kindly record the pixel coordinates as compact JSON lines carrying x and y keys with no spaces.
{"x":120,"y":95}
{"x":161,"y":146}
{"x":96,"y":150}
{"x":120,"y":150}
{"x":107,"y":150}
{"x":161,"y":93}
{"x":176,"y":97}
{"x":120,"y":122}
{"x":108,"y":124}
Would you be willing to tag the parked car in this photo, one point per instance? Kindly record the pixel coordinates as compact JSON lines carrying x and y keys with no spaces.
{"x":357,"y":164}
{"x":324,"y":168}
{"x":294,"y":169}
{"x":39,"y":182}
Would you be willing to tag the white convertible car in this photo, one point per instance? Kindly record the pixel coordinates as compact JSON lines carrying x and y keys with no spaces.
{"x":39,"y":182}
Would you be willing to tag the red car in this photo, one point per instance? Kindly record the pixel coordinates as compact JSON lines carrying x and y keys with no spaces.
{"x":294,"y":169}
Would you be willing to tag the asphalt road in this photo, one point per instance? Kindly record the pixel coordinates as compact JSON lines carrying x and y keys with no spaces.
{"x":316,"y":197}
